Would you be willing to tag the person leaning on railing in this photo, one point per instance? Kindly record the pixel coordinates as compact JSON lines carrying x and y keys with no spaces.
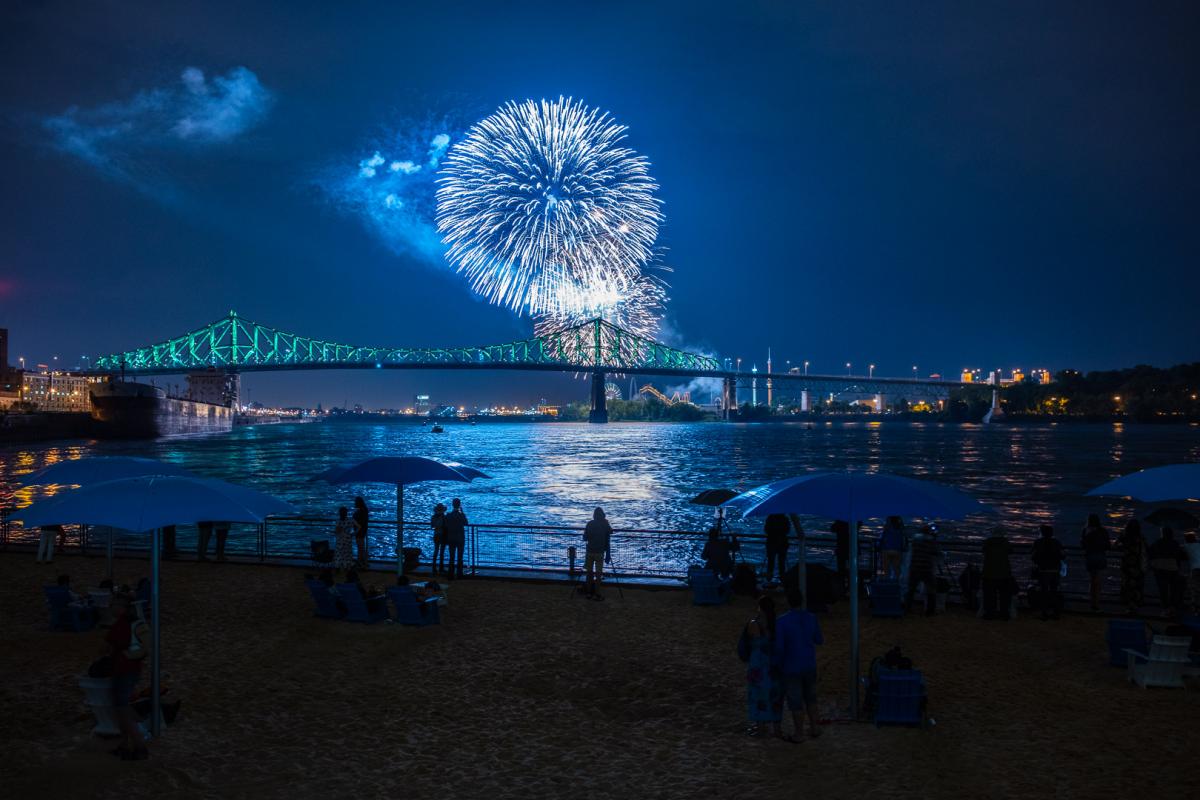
{"x":598,"y":538}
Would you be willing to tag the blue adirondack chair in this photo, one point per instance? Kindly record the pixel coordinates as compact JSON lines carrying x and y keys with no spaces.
{"x":326,"y":603}
{"x":356,"y":605}
{"x":709,"y":590}
{"x":412,"y":611}
{"x":63,"y":615}
{"x":1122,"y":635}
{"x":901,"y":697}
{"x":887,"y":600}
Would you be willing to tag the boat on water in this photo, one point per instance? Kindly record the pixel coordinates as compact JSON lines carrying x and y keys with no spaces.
{"x":437,"y":428}
{"x":130,"y":410}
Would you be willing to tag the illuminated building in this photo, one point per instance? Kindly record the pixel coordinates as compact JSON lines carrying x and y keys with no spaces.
{"x":1017,"y":375}
{"x":56,"y":391}
{"x":421,"y":404}
{"x":967,"y":376}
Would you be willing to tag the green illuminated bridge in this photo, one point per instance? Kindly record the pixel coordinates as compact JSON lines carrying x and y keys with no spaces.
{"x":234,"y":344}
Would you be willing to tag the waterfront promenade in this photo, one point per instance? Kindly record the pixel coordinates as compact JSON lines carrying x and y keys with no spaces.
{"x":525,"y":692}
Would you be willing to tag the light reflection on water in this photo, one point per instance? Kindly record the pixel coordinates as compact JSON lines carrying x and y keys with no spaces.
{"x":643,"y":474}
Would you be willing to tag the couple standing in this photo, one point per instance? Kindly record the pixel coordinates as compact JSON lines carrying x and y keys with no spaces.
{"x":449,"y":538}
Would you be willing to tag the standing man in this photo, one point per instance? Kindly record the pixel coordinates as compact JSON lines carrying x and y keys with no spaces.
{"x":598,"y":537}
{"x":361,"y":517}
{"x":797,"y":635}
{"x":1048,"y":558}
{"x":222,"y":529}
{"x":891,"y":546}
{"x":454,"y":533}
{"x":205,"y":533}
{"x":438,"y":523}
{"x":921,"y":569}
{"x":997,"y":575}
{"x":776,"y":528}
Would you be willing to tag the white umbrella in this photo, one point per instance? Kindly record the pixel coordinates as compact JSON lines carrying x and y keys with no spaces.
{"x":94,"y":469}
{"x":1155,"y":485}
{"x":401,"y":470}
{"x":146,"y":505}
{"x":853,"y":497}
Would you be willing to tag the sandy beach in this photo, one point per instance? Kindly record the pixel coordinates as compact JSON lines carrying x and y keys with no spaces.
{"x":525,"y":691}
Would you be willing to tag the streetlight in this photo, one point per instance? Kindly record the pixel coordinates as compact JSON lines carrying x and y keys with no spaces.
{"x":871,"y":371}
{"x":805,"y":367}
{"x":847,"y":369}
{"x":739,"y":365}
{"x":915,"y":372}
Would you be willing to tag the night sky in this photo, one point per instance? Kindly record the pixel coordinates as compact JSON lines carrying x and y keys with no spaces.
{"x":940,"y":184}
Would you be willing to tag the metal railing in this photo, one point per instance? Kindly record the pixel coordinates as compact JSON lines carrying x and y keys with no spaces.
{"x":543,"y":549}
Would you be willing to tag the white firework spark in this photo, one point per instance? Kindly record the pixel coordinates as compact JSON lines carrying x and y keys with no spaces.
{"x":545,"y":212}
{"x":631,"y":300}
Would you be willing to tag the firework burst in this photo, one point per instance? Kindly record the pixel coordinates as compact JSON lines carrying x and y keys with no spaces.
{"x":545,"y":212}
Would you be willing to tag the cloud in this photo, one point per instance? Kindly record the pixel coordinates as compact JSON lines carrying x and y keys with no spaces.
{"x":118,"y":138}
{"x":392,"y":190}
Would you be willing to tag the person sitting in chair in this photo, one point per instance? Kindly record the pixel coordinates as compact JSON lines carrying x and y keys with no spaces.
{"x":717,"y":554}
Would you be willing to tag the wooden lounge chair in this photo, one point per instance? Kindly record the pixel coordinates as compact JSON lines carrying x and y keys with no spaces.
{"x":357,"y":608}
{"x":887,"y":598}
{"x":326,"y":603}
{"x":901,"y":697}
{"x":1122,"y":635}
{"x":1165,"y":665}
{"x":413,"y":611}
{"x":63,"y":615}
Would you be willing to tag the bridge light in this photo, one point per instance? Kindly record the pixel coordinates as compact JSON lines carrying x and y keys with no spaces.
{"x":378,"y":365}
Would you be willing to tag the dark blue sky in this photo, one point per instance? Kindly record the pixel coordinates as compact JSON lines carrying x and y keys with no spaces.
{"x":942,"y":184}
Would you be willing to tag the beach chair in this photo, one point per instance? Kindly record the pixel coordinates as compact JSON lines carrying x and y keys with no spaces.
{"x":413,"y":611}
{"x":98,"y":696}
{"x":887,"y":599}
{"x":1122,"y":635}
{"x":901,"y":697}
{"x":709,"y":590}
{"x":1165,"y":665}
{"x":63,"y":615}
{"x":357,"y":609}
{"x":326,"y":603}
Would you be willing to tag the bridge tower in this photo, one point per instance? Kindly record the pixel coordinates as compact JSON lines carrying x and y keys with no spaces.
{"x":770,"y":398}
{"x":729,"y":398}
{"x":599,"y":412}
{"x":754,"y":386}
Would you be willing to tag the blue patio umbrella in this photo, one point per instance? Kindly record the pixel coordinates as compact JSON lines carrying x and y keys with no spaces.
{"x":94,"y":469}
{"x":146,"y":505}
{"x":854,"y":497}
{"x":400,"y":471}
{"x":1155,"y":485}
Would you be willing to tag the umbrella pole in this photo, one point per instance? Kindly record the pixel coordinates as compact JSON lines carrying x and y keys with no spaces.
{"x":156,"y":616}
{"x":853,"y":617}
{"x":110,"y":551}
{"x":399,"y":528}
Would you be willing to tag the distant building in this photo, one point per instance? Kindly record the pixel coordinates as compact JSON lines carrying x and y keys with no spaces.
{"x":548,"y":411}
{"x":1017,"y":375}
{"x":56,"y":391}
{"x":968,"y":376}
{"x":10,"y":379}
{"x":421,"y":404}
{"x":218,"y":388}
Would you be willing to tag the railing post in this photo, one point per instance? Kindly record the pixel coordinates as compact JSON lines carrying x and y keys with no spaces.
{"x":474,"y":548}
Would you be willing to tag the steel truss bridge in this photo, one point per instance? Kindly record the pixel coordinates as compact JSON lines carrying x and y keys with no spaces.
{"x":235,"y":344}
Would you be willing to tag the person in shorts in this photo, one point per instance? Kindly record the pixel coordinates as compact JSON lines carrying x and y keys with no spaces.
{"x":126,"y":640}
{"x":797,"y":634}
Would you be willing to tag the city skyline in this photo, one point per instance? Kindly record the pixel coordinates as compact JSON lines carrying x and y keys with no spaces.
{"x":835,"y":192}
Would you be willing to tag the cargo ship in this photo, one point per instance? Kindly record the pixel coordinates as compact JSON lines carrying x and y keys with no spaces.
{"x":128,"y":410}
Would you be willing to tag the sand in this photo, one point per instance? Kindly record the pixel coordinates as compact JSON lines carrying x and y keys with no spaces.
{"x":527,"y":692}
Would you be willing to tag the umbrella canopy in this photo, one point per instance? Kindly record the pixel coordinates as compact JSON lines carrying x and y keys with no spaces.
{"x":855,"y":496}
{"x":1175,"y":518}
{"x":1157,"y":485}
{"x":401,"y":471}
{"x":85,"y":471}
{"x":713,"y":497}
{"x":154,"y":501}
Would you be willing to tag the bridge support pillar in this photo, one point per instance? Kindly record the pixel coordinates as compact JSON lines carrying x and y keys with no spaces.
{"x":805,"y":402}
{"x":880,"y":403}
{"x":729,"y":399}
{"x":599,"y":412}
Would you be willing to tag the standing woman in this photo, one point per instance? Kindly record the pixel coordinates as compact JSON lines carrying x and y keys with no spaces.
{"x":438,"y":523}
{"x":1133,"y":566}
{"x":1095,"y":543}
{"x":343,"y":536}
{"x":764,"y":689}
{"x":361,"y":515}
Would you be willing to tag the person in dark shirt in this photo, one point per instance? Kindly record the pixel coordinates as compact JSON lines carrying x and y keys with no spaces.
{"x":891,"y":547}
{"x":777,"y":528}
{"x":926,"y":554}
{"x":454,"y":532}
{"x":797,"y":635}
{"x":126,"y":640}
{"x":597,"y":536}
{"x":361,"y":517}
{"x":1165,"y":555}
{"x":1048,"y":559}
{"x":717,"y":554}
{"x":1095,"y":543}
{"x":997,"y":575}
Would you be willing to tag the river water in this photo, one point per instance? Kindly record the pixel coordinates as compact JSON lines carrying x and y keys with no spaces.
{"x":643,"y":474}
